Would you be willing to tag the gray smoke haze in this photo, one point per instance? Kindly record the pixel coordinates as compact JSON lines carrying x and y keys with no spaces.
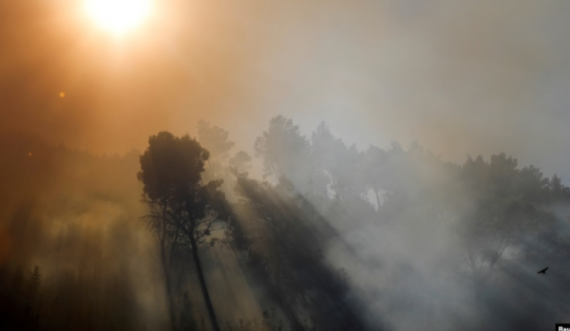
{"x":428,"y":253}
{"x":460,"y":77}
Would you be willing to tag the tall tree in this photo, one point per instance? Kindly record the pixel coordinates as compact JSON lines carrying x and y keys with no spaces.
{"x":221,"y":164}
{"x":342,"y":164}
{"x":184,"y":210}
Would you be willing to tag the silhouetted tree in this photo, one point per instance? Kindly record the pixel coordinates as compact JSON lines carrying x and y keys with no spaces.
{"x":286,"y":153}
{"x":342,"y":164}
{"x":240,"y":162}
{"x":507,"y":206}
{"x":221,"y":164}
{"x":184,"y":210}
{"x":215,"y":140}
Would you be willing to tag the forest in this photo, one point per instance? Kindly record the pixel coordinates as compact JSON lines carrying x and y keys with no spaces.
{"x":308,"y":233}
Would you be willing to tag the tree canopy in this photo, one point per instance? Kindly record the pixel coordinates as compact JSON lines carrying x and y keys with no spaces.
{"x":183,"y":210}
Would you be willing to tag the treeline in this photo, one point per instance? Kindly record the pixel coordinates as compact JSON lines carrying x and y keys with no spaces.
{"x":411,"y":218}
{"x":478,"y":222}
{"x":330,"y":238}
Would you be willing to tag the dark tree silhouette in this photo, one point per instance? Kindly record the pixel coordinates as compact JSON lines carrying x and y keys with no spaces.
{"x":183,"y":210}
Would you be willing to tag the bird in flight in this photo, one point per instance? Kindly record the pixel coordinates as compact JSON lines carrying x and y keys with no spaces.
{"x":543,"y":271}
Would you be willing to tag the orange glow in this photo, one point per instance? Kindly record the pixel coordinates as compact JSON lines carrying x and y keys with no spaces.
{"x":62,"y":95}
{"x":118,"y":16}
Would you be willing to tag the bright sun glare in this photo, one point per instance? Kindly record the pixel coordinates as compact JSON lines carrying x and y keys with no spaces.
{"x":118,"y":16}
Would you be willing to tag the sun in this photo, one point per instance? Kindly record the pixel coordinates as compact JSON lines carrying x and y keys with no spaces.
{"x":118,"y":16}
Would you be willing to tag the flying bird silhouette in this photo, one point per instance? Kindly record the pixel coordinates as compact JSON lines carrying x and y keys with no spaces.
{"x":543,"y":271}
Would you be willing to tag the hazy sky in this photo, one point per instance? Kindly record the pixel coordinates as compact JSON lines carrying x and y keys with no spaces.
{"x":461,"y":77}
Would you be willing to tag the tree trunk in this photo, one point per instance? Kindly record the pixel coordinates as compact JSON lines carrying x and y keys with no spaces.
{"x":203,"y":285}
{"x":168,"y":287}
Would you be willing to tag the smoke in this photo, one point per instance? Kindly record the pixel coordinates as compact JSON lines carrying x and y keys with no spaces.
{"x":67,"y":82}
{"x":461,"y":78}
{"x":74,"y":218}
{"x":447,"y":244}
